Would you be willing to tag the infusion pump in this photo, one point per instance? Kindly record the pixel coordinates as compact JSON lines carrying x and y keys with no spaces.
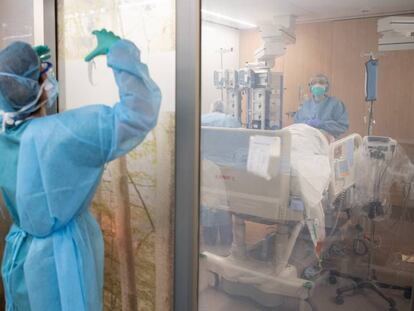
{"x":253,"y":95}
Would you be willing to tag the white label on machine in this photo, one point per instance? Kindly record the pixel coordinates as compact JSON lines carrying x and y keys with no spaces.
{"x":261,"y":151}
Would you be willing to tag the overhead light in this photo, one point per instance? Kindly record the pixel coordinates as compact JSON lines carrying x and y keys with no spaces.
{"x":217,"y":17}
{"x":126,"y":4}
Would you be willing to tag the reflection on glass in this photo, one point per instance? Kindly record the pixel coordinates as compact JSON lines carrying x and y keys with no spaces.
{"x":18,"y":22}
{"x":301,"y":207}
{"x":134,"y":202}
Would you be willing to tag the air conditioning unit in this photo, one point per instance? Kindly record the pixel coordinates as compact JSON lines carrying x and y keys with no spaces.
{"x":396,"y":33}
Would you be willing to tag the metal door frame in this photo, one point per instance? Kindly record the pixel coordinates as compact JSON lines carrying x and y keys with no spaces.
{"x":187,"y":150}
{"x":187,"y":146}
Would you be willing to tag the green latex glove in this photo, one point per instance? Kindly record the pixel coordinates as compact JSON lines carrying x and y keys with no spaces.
{"x":105,"y":40}
{"x":43,"y":52}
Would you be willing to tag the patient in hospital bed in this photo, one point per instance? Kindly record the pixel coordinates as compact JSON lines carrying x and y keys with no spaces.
{"x":310,"y":171}
{"x":318,"y":122}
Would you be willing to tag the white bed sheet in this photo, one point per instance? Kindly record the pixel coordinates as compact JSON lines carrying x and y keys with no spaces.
{"x":311,"y":173}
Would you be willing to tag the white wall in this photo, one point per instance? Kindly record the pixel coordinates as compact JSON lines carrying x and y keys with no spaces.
{"x":213,"y":38}
{"x":77,"y":90}
{"x":16,"y":21}
{"x":150,"y":27}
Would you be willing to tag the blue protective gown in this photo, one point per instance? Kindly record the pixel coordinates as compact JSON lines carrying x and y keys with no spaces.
{"x":50,"y":168}
{"x":331,"y":113}
{"x":218,"y":119}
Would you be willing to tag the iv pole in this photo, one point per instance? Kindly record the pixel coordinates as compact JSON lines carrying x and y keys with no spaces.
{"x":370,"y":117}
{"x":223,"y":51}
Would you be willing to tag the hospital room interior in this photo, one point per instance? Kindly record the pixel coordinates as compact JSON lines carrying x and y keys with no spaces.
{"x":280,"y":172}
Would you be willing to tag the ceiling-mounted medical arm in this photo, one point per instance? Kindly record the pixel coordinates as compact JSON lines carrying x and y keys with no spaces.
{"x":276,"y":37}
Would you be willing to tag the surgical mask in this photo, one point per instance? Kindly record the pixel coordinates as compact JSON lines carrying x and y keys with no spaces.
{"x":318,"y":90}
{"x":51,"y":84}
{"x":52,"y":90}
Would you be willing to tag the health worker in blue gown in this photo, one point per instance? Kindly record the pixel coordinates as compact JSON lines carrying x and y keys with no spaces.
{"x":50,"y":167}
{"x":322,"y":111}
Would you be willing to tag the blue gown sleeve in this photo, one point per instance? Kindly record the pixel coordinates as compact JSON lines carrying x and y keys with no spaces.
{"x":126,"y":125}
{"x":299,"y":115}
{"x":62,"y":157}
{"x":339,"y":123}
{"x":297,"y":118}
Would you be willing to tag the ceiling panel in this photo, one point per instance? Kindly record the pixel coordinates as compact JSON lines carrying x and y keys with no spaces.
{"x":262,"y":11}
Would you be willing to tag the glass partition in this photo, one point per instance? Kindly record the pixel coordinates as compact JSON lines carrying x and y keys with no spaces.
{"x":306,"y":157}
{"x":134,"y":204}
{"x":20,"y":21}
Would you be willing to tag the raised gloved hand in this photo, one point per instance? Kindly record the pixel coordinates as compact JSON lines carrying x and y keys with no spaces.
{"x":314,"y":122}
{"x":105,"y":41}
{"x":43,"y":52}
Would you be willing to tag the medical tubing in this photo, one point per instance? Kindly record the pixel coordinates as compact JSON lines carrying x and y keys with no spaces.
{"x":8,"y":118}
{"x":311,"y":304}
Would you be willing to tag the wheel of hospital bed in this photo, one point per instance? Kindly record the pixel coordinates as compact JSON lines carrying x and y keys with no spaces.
{"x":339,"y":300}
{"x":213,"y":279}
{"x":360,"y":247}
{"x":332,"y":280}
{"x":408,"y":293}
{"x":359,"y":285}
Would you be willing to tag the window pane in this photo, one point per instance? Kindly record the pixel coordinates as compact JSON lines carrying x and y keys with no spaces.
{"x":137,"y":221}
{"x":20,"y":20}
{"x":306,"y":156}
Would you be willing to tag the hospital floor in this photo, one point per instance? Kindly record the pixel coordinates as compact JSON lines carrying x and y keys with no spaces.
{"x":216,"y":300}
{"x":212,"y":299}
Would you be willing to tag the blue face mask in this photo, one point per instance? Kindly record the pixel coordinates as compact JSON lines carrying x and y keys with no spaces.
{"x":318,"y":90}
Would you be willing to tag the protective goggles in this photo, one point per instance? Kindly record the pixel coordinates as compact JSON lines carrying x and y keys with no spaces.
{"x":46,"y":66}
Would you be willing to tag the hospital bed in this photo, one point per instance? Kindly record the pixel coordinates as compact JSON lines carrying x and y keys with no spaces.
{"x":264,"y":200}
